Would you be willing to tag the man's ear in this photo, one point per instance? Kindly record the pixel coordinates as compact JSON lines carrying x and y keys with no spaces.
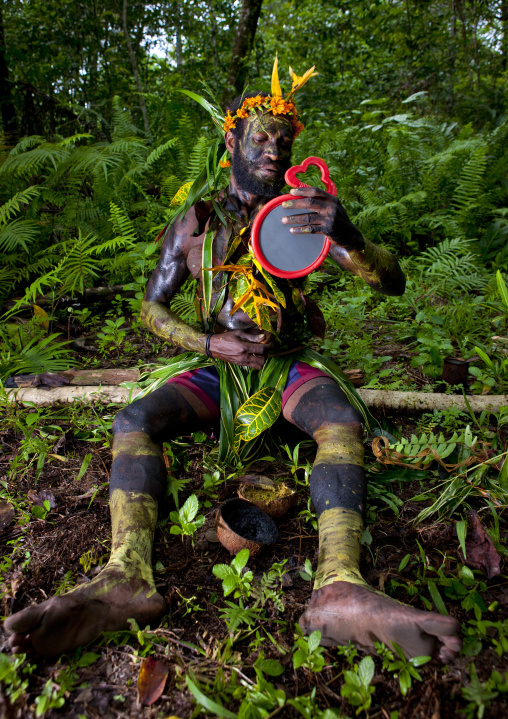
{"x":230,"y":141}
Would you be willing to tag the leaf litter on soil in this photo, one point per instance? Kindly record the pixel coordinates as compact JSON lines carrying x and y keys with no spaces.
{"x":76,"y":527}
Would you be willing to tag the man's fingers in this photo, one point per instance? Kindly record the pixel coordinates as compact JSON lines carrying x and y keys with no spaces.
{"x":254,"y":361}
{"x":309,"y":191}
{"x":257,"y":349}
{"x":308,"y":203}
{"x":254,"y":337}
{"x":308,"y":230}
{"x":310,"y":218}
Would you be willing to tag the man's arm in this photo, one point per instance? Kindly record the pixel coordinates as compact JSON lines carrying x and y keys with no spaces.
{"x":234,"y":346}
{"x":167,"y":278}
{"x":378,"y":267}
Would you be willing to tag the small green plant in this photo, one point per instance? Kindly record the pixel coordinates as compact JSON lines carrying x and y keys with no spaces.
{"x":189,"y":604}
{"x":212,"y":482}
{"x":295,"y":465}
{"x":309,"y":516}
{"x":356,"y":688}
{"x":270,"y":586}
{"x":234,"y":579}
{"x":308,"y":708}
{"x":402,"y":667}
{"x":185,"y":520}
{"x":493,"y":374}
{"x":495,"y":633}
{"x":308,"y":574}
{"x":52,"y":697}
{"x":262,"y":697}
{"x":307,"y":652}
{"x":434,"y":344}
{"x":66,"y":583}
{"x":236,"y":614}
{"x":111,"y":336}
{"x":14,"y":673}
{"x":41,"y":512}
{"x":480,"y":694}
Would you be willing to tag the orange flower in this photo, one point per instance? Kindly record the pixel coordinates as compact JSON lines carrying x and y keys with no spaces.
{"x":251,"y":102}
{"x":290,"y":108}
{"x":224,"y":163}
{"x":277,"y":105}
{"x":242,"y":114}
{"x":229,"y":123}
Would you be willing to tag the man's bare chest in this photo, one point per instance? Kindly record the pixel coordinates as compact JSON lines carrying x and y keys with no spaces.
{"x":193,"y":250}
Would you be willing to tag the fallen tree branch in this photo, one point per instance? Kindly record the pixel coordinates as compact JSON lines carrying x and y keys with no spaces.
{"x":393,"y":399}
{"x":377,"y":398}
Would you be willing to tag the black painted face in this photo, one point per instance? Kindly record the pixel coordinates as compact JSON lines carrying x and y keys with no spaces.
{"x":263,"y":154}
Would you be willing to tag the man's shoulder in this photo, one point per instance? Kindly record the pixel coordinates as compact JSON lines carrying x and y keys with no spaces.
{"x":188,"y":226}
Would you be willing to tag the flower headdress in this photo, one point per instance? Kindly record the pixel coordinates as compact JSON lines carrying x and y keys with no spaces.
{"x":275,"y":102}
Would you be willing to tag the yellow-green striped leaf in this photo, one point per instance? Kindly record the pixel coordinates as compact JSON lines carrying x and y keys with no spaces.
{"x":255,"y":415}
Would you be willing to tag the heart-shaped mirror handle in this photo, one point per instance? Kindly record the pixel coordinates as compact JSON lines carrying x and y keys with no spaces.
{"x":293,"y":181}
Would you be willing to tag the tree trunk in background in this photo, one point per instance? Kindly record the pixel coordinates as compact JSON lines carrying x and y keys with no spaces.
{"x":504,"y":24}
{"x":178,"y":32}
{"x":7,"y":108}
{"x":244,"y":41}
{"x":134,"y":64}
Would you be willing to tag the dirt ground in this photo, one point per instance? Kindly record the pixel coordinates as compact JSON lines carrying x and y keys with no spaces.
{"x":79,"y":524}
{"x":41,"y":556}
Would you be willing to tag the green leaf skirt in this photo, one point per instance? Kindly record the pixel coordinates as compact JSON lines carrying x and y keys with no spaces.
{"x":251,"y":400}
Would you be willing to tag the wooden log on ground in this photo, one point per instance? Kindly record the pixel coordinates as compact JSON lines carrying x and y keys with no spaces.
{"x":69,"y":394}
{"x":421,"y":401}
{"x":80,"y":377}
{"x":88,"y":377}
{"x":380,"y":399}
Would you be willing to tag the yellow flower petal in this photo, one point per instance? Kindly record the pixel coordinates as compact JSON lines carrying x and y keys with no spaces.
{"x":275,"y":79}
{"x":299,"y":82}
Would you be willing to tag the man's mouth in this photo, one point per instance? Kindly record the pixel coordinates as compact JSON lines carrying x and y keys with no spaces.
{"x":270,"y":170}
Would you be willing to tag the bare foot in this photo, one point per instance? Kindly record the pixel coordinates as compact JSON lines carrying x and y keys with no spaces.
{"x":63,"y":623}
{"x":343,"y":611}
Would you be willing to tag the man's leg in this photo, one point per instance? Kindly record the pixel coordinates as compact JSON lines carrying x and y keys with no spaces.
{"x":124,"y":588}
{"x":343,"y":606}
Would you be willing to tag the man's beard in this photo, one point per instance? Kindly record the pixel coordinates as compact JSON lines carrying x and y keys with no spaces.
{"x":243,"y":172}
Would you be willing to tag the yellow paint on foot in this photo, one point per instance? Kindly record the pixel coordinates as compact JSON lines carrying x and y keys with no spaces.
{"x":133,"y":520}
{"x":340,"y":534}
{"x":339,"y":444}
{"x":135,"y":444}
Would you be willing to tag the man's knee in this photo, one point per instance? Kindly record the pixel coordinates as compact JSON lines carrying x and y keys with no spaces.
{"x":324,"y":405}
{"x":132,"y":418}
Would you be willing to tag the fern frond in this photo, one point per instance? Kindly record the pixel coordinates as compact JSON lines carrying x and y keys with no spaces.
{"x":12,"y":206}
{"x":18,"y":234}
{"x":158,"y":152}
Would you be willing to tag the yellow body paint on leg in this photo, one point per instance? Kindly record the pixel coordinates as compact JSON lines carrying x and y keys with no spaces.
{"x":135,"y":444}
{"x":133,"y":520}
{"x":339,"y":444}
{"x":340,"y":535}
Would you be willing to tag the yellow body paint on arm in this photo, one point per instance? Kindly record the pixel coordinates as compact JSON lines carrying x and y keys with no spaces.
{"x":166,"y":324}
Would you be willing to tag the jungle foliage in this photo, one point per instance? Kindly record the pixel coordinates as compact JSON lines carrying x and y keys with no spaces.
{"x":98,"y":149}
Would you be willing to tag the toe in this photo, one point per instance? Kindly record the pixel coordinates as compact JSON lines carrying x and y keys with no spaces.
{"x":19,"y":643}
{"x":25,"y":621}
{"x":439,"y":625}
{"x":451,"y":646}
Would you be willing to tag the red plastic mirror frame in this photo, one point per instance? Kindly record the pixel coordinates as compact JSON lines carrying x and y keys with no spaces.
{"x":292,"y":181}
